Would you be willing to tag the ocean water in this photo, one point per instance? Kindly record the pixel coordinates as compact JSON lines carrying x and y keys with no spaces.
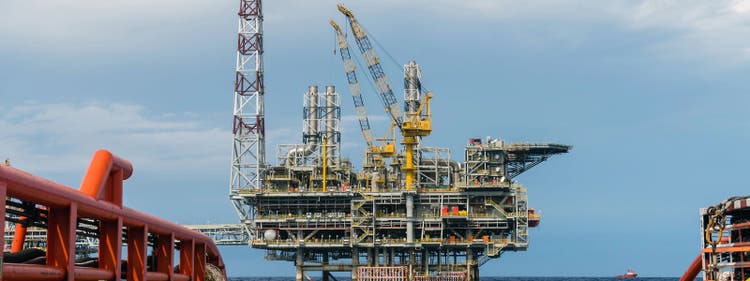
{"x":482,"y":279}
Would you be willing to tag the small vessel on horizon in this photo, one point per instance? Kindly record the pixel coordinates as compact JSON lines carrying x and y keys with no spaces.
{"x":628,"y":275}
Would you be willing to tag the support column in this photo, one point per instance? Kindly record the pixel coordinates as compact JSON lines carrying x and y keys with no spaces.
{"x":355,"y":262}
{"x":325,"y":263}
{"x":300,"y":263}
{"x":412,"y":258}
{"x":471,"y":266}
{"x":370,"y":259}
{"x":425,"y":266}
{"x":439,"y":257}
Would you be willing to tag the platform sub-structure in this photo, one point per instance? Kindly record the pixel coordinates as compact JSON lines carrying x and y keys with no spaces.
{"x":452,"y":232}
{"x":95,"y":211}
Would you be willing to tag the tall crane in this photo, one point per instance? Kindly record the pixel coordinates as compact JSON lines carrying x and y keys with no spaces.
{"x":374,"y":156}
{"x":416,"y":125}
{"x":354,"y":88}
{"x":373,"y":65}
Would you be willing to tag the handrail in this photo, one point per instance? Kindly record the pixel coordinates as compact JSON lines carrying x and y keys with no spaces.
{"x":100,"y":198}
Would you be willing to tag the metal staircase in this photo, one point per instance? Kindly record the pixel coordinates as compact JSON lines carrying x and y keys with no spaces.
{"x":363,"y":222}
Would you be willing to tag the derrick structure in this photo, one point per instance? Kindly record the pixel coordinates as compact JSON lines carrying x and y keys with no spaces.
{"x":248,"y":164}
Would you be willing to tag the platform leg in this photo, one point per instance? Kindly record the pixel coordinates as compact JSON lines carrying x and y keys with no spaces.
{"x":355,"y":263}
{"x":300,"y":262}
{"x":325,"y":262}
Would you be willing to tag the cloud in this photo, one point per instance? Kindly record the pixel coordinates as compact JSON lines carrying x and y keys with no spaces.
{"x":82,"y":27}
{"x":61,"y":137}
{"x":689,"y":29}
{"x":710,"y":29}
{"x":692,"y":29}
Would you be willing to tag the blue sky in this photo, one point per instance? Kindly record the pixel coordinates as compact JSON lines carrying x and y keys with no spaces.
{"x":653,"y":95}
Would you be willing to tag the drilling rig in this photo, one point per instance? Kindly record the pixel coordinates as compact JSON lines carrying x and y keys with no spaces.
{"x":412,"y":214}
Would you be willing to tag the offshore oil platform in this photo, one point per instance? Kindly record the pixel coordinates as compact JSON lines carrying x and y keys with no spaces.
{"x":407,"y":214}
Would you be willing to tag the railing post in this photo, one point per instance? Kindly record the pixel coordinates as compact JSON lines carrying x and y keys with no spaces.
{"x":61,"y":238}
{"x":187,"y":249}
{"x":3,"y":194}
{"x":200,"y":262}
{"x":137,"y":247}
{"x":110,"y":247}
{"x":164,"y":254}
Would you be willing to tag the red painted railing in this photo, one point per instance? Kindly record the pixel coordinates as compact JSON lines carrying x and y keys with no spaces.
{"x":99,"y":200}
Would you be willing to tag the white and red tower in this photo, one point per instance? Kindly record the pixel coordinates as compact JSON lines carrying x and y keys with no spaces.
{"x":248,"y":124}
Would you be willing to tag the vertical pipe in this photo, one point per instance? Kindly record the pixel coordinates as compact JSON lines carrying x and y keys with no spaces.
{"x":309,"y":134}
{"x":325,"y":163}
{"x":374,"y":181}
{"x":409,"y":218}
{"x":19,"y":236}
{"x":313,"y":114}
{"x":330,"y":97}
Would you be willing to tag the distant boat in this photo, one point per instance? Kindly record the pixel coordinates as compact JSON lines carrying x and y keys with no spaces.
{"x":628,"y":275}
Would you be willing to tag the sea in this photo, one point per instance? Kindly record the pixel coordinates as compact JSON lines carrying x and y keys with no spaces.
{"x":482,"y":279}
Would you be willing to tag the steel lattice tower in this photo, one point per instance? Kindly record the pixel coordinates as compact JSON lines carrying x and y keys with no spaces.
{"x":248,"y":130}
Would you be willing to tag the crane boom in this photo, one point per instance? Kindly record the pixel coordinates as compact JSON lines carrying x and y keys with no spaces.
{"x":373,"y":65}
{"x":354,"y":88}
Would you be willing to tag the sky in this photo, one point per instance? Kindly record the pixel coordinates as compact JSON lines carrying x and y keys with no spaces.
{"x":653,"y":96}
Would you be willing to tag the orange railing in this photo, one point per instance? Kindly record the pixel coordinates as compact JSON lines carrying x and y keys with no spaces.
{"x":99,"y":200}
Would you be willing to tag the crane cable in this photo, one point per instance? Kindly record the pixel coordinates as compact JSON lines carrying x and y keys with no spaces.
{"x":388,"y":54}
